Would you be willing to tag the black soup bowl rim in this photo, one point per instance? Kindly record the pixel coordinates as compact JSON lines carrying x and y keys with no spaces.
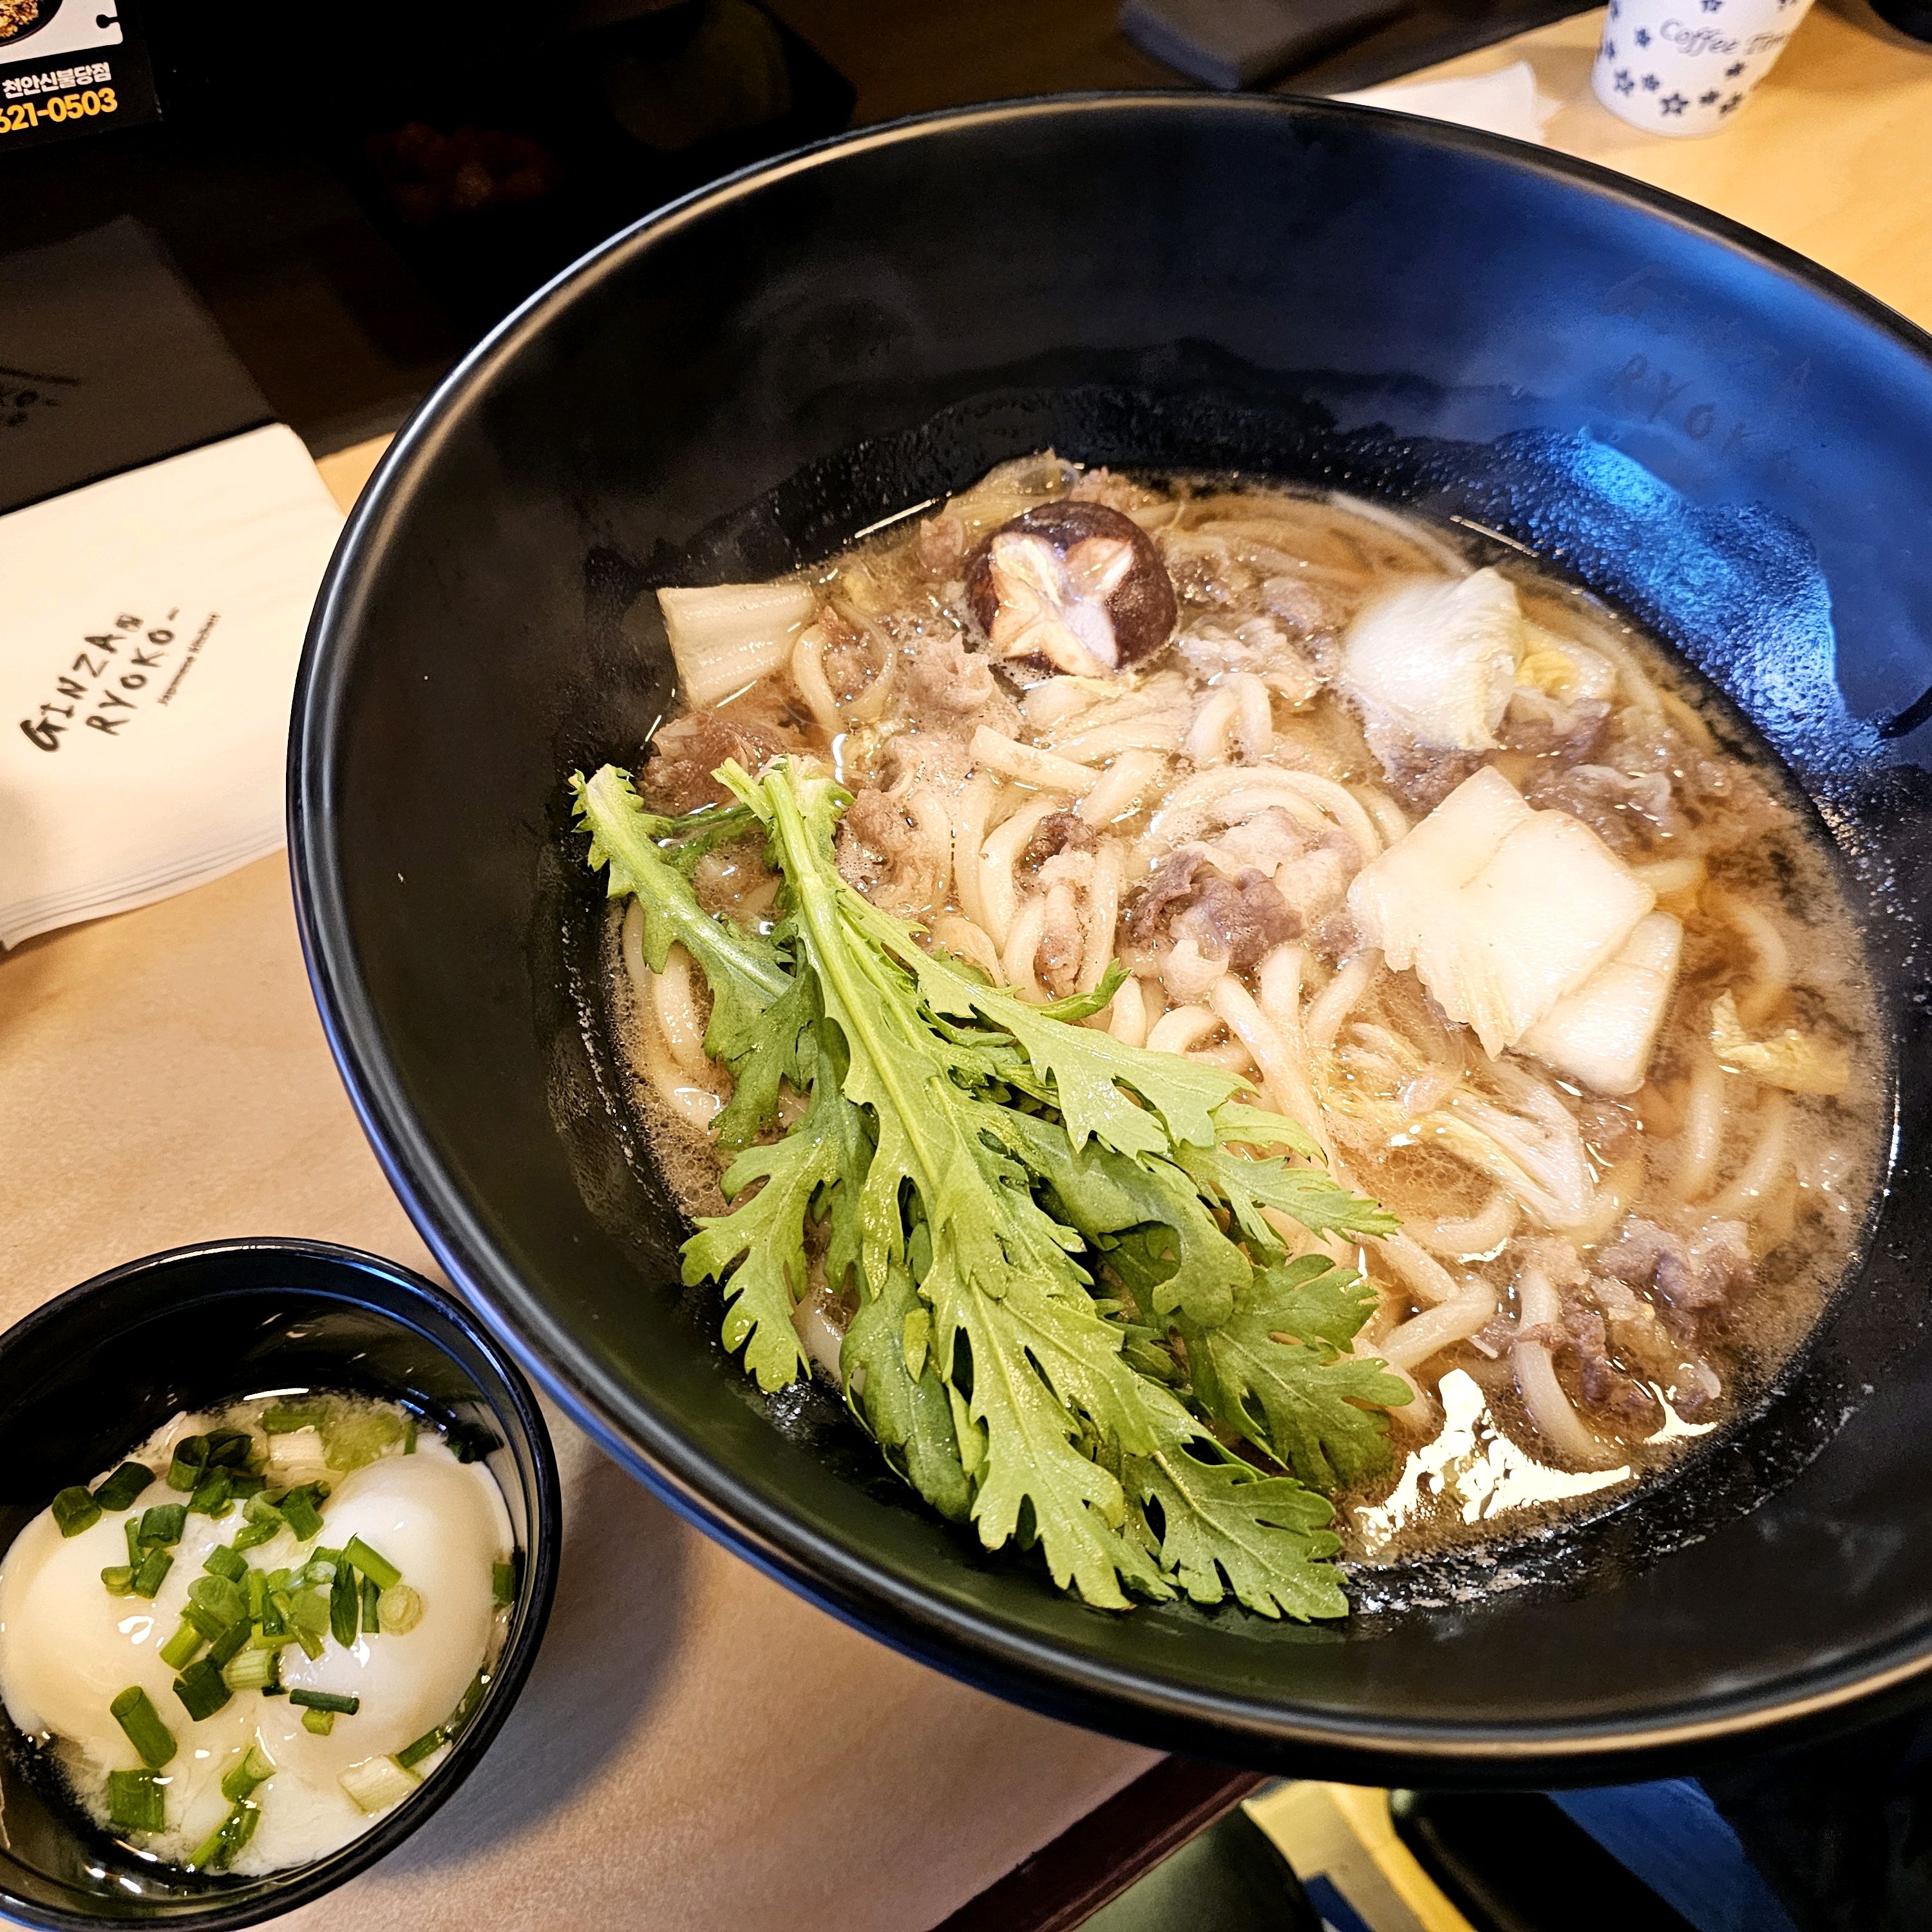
{"x":1059,"y":1679}
{"x":404,"y":1297}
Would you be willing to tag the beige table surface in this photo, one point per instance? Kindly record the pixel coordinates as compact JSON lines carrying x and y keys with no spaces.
{"x":697,"y":1748}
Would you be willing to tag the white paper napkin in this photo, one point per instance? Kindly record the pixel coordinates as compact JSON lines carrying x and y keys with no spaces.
{"x":1507,"y":102}
{"x":150,"y":627}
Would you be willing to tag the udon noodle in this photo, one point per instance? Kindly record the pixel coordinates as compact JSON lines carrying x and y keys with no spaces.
{"x":1618,"y":1211}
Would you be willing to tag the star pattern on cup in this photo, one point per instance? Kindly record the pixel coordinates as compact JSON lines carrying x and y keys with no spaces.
{"x":1708,"y":99}
{"x":1624,"y":83}
{"x":1736,"y":100}
{"x":1650,"y":83}
{"x":1642,"y":36}
{"x":1610,"y":50}
{"x":1736,"y":68}
{"x":1673,"y":103}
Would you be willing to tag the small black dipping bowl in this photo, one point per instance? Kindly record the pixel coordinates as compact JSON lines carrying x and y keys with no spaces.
{"x":87,"y":1377}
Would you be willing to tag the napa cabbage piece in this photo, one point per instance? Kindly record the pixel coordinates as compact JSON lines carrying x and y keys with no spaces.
{"x":725,"y":636}
{"x":1500,"y":910}
{"x":1791,"y":1060}
{"x":1438,"y":659}
{"x":1033,"y":1218}
{"x":1603,"y":1034}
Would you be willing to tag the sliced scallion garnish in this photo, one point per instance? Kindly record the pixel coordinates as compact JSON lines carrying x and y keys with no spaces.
{"x":74,"y":1510}
{"x":118,"y":1579}
{"x":221,"y":1596}
{"x":345,"y":1603}
{"x":284,"y":1418}
{"x":229,"y":1448}
{"x":136,"y":1715}
{"x":326,"y":1700}
{"x":135,"y":1801}
{"x":502,"y":1585}
{"x":218,"y":1851}
{"x":372,"y":1563}
{"x":377,"y":1783}
{"x":230,"y":1643}
{"x":214,"y":1495}
{"x":252,"y":1768}
{"x":308,"y":1612}
{"x":251,"y":1669}
{"x":130,"y":1528}
{"x":201,"y":1689}
{"x":163,"y":1523}
{"x":372,"y":1614}
{"x":223,"y":1561}
{"x":401,"y":1609}
{"x":180,"y":1648}
{"x":189,"y":1462}
{"x":151,"y":1572}
{"x":118,"y":1491}
{"x":410,"y":1756}
{"x":298,"y":1508}
{"x":467,"y":1705}
{"x":320,"y":1722}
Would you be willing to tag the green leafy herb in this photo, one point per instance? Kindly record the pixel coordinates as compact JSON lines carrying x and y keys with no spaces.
{"x":1068,"y":1258}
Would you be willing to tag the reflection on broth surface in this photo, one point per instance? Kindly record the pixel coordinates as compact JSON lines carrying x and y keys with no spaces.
{"x":1444,"y":859}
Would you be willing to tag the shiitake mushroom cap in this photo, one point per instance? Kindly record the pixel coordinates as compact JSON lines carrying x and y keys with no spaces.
{"x":1142,"y":606}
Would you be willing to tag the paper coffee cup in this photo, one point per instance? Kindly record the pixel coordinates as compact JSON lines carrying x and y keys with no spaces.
{"x":1685,"y":67}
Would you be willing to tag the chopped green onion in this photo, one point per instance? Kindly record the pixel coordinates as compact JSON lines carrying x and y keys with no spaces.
{"x":410,"y":1756}
{"x":502,"y":1584}
{"x":221,"y":1596}
{"x":372,"y":1563}
{"x":118,"y":1491}
{"x":204,"y":1620}
{"x":189,"y":1463}
{"x":219,"y":1850}
{"x":467,"y":1705}
{"x":200,"y":1689}
{"x":284,"y":1418}
{"x":308,"y":1612}
{"x":119,"y":1579}
{"x":223,"y":1561}
{"x":470,"y":1441}
{"x":136,"y":1716}
{"x":345,"y":1602}
{"x":258,"y":1591}
{"x":229,"y":1448}
{"x":131,"y":1528}
{"x":251,"y":1670}
{"x":135,"y":1801}
{"x":377,"y":1783}
{"x":176,"y":1652}
{"x":261,"y":1521}
{"x":231,"y":1643}
{"x":372,"y":1614}
{"x":244,"y":1483}
{"x":152,"y":1573}
{"x":401,"y":1609}
{"x":74,"y":1510}
{"x":311,"y":1644}
{"x":409,"y":1446}
{"x":298,"y":1507}
{"x":320,"y":1722}
{"x":253,"y":1768}
{"x":163,"y":1523}
{"x":215,"y":1494}
{"x":318,"y":1574}
{"x":270,"y":1616}
{"x":326,"y":1700}
{"x":354,"y":1438}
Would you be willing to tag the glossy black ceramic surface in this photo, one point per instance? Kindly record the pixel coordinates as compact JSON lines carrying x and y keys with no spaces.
{"x":92,"y":1373}
{"x":1723,"y":441}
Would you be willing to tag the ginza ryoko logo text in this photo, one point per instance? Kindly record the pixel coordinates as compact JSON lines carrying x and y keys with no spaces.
{"x":116,"y":673}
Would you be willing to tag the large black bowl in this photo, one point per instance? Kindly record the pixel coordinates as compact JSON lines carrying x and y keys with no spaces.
{"x":1715,"y":436}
